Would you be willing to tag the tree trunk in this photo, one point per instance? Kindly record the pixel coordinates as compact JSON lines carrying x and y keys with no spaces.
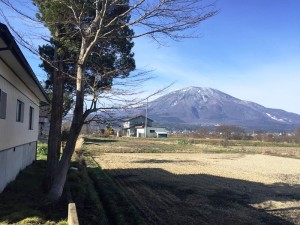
{"x":64,"y":164}
{"x":54,"y":141}
{"x":77,"y":123}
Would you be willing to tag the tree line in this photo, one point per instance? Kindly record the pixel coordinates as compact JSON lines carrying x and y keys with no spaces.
{"x":230,"y":132}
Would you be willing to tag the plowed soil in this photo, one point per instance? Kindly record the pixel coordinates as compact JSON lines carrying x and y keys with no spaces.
{"x":208,"y":188}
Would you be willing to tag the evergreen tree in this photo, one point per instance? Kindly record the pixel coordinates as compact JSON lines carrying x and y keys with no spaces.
{"x":110,"y":58}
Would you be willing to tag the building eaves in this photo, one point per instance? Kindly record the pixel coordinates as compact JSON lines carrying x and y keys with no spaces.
{"x":13,"y":47}
{"x":137,"y":117}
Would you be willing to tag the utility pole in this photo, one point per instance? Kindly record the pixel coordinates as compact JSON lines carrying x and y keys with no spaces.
{"x":146,"y":119}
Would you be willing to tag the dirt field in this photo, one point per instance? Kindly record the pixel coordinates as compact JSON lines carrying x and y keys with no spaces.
{"x":198,"y":188}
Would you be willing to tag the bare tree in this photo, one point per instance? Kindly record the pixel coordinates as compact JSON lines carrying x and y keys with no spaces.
{"x":92,"y":23}
{"x":297,"y":135}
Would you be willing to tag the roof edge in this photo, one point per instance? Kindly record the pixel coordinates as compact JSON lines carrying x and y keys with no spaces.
{"x":9,"y":40}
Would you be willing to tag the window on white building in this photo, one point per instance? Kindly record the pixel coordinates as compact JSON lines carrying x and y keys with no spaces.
{"x":31,"y":116}
{"x":3,"y":100}
{"x":20,"y":111}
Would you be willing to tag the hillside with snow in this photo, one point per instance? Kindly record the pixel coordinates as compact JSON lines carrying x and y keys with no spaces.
{"x":211,"y":107}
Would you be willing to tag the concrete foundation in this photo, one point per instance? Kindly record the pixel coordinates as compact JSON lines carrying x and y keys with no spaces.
{"x":13,"y":160}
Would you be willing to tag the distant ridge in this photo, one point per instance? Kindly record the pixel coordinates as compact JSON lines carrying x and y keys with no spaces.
{"x":210,"y":107}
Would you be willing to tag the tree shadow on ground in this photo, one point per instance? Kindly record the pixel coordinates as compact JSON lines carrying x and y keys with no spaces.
{"x":95,"y":141}
{"x":166,"y":198}
{"x":163,"y":161}
{"x":24,"y":198}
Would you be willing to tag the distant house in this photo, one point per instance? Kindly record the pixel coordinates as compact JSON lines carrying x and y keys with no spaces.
{"x":130,"y":125}
{"x":135,"y":127}
{"x":20,"y":98}
{"x":152,"y":132}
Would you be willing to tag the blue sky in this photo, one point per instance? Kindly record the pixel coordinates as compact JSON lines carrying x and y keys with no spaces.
{"x":250,"y":50}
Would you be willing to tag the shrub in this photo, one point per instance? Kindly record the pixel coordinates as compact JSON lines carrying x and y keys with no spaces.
{"x":32,"y":221}
{"x":183,"y":142}
{"x":224,"y":143}
{"x":42,"y":148}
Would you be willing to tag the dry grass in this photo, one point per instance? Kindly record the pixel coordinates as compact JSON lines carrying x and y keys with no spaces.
{"x":291,"y":152}
{"x":186,"y":185}
{"x":134,"y":145}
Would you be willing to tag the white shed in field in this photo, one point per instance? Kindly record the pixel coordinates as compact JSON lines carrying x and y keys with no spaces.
{"x":152,"y":132}
{"x":20,"y":98}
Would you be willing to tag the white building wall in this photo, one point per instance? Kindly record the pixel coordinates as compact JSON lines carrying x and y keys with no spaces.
{"x":13,"y":160}
{"x":136,"y":121}
{"x":17,"y":141}
{"x":141,"y":131}
{"x":126,"y":124}
{"x":13,"y":133}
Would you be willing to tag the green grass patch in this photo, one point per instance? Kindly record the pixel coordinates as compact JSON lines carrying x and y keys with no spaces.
{"x":42,"y":151}
{"x":23,"y":201}
{"x":89,"y":207}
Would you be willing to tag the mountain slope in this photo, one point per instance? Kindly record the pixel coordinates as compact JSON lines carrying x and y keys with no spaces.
{"x":207,"y":106}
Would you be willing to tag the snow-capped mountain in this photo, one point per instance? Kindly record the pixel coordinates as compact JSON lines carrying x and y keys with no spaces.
{"x":207,"y":106}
